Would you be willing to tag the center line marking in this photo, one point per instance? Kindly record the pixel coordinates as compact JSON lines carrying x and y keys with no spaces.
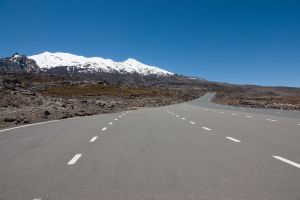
{"x":191,"y":122}
{"x":235,"y":140}
{"x":110,"y":123}
{"x":208,"y":129}
{"x":183,"y":118}
{"x":104,"y":129}
{"x":93,"y":139}
{"x":248,"y":116}
{"x":272,"y":120}
{"x":74,"y":159}
{"x":287,"y":161}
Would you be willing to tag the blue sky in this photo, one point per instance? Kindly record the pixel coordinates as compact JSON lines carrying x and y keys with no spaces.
{"x":249,"y":41}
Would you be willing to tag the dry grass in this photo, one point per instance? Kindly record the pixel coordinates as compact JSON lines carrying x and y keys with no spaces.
{"x":99,"y":90}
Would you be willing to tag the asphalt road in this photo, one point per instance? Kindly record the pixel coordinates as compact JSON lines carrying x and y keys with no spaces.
{"x":196,"y":150}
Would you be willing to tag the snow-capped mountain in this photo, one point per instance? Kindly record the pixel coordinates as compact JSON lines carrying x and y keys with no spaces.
{"x":47,"y":61}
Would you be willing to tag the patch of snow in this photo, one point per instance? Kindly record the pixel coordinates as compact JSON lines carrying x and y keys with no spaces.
{"x":49,"y":60}
{"x":16,"y":56}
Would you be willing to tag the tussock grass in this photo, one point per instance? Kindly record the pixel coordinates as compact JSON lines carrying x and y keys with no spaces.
{"x":98,"y":90}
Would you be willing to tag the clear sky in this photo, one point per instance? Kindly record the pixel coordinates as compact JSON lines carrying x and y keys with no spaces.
{"x":242,"y":41}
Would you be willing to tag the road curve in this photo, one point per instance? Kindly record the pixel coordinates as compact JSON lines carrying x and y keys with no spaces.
{"x":195,"y":150}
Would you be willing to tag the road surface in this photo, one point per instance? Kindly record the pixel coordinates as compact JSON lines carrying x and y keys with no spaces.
{"x":191,"y":151}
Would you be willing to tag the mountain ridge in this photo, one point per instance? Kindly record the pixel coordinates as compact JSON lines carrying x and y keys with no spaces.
{"x":48,"y":60}
{"x":18,"y":64}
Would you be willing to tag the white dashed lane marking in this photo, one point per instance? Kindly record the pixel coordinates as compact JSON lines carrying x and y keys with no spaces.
{"x":233,"y":139}
{"x":120,"y":116}
{"x":287,"y":161}
{"x":191,"y":122}
{"x":37,"y":199}
{"x":74,"y":159}
{"x":272,"y":120}
{"x":104,"y":129}
{"x":298,"y":124}
{"x":183,"y":118}
{"x":110,"y":123}
{"x":221,"y":112}
{"x":177,"y":115}
{"x":116,"y":119}
{"x":93,"y":139}
{"x":233,"y":114}
{"x":205,"y":128}
{"x":248,"y":116}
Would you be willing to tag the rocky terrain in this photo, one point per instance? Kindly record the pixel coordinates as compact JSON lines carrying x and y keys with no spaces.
{"x":29,"y":98}
{"x":285,"y":98}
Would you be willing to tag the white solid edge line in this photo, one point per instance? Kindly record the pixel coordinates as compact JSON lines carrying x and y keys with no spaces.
{"x":104,"y":129}
{"x":38,"y":123}
{"x":233,"y":139}
{"x":93,"y":139}
{"x":287,"y":161}
{"x":192,"y":122}
{"x":74,"y":159}
{"x":208,"y":129}
{"x":7,"y":129}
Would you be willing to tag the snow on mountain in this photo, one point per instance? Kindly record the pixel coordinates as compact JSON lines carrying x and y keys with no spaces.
{"x":48,"y":60}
